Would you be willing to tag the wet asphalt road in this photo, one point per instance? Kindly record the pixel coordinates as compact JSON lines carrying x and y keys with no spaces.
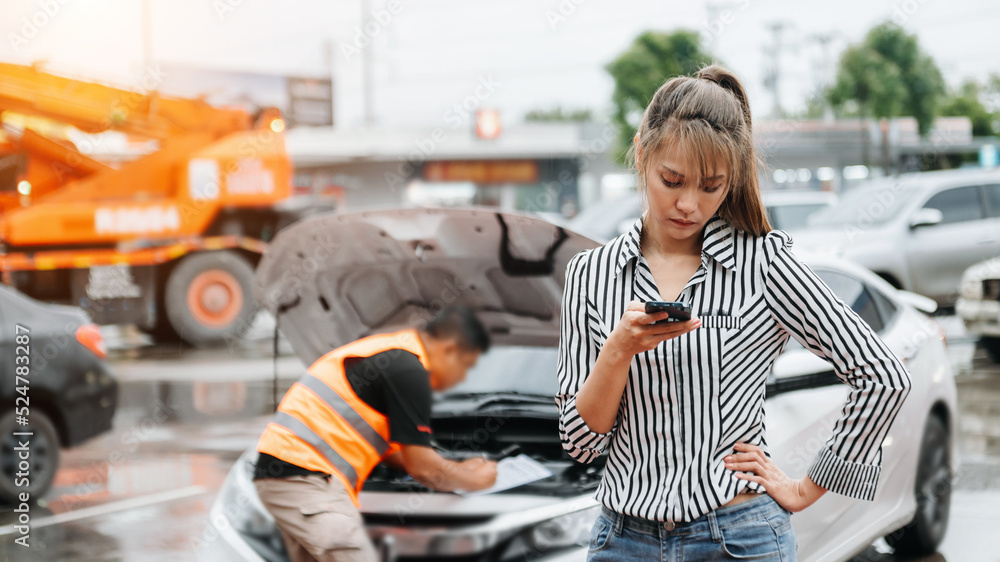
{"x":143,"y":490}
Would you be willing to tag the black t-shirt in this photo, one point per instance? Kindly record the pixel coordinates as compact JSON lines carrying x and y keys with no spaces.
{"x":395,"y":383}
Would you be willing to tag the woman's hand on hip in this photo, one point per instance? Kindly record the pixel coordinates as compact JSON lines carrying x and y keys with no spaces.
{"x":636,"y":332}
{"x":791,"y":494}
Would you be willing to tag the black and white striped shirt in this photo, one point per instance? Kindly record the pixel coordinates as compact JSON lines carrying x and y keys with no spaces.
{"x":690,"y":399}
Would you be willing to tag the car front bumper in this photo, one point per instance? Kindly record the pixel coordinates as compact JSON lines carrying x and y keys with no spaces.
{"x":89,"y":407}
{"x":981,"y":317}
{"x":520,"y":527}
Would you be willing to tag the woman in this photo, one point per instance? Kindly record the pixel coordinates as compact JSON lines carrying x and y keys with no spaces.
{"x":681,"y":405}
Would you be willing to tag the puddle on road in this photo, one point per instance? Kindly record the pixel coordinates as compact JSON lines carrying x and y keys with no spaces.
{"x":166,"y":436}
{"x":979,"y":412}
{"x":198,"y":401}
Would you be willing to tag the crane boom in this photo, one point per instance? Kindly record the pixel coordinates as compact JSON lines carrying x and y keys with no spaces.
{"x":95,"y":108}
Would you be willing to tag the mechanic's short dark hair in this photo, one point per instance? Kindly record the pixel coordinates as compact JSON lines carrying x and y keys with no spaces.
{"x":461,"y":323}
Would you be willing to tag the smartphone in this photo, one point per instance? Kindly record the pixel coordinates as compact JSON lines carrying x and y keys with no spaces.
{"x":679,"y":311}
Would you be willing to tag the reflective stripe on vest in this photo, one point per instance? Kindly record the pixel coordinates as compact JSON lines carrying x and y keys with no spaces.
{"x":303,"y":432}
{"x":337,"y":403}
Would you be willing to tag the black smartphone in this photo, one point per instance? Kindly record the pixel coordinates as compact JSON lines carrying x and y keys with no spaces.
{"x":679,"y":311}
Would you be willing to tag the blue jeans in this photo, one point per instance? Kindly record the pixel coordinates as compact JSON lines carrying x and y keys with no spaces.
{"x":754,"y":529}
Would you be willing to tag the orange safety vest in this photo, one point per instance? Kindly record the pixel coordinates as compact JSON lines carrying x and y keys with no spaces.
{"x":321,"y":423}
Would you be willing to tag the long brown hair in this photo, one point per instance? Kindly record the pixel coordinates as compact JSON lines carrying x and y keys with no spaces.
{"x":709,"y":115}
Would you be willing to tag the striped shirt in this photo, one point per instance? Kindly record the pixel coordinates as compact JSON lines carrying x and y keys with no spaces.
{"x":691,"y":398}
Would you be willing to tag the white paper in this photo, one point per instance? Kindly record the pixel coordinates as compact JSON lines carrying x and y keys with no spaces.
{"x":513,"y":472}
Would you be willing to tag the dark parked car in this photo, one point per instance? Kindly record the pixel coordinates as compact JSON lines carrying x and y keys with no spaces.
{"x":54,"y":376}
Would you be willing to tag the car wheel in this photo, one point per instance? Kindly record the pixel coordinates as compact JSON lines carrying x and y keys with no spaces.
{"x":933,"y":489}
{"x":209,"y":297}
{"x":42,"y":455}
{"x":992,"y":347}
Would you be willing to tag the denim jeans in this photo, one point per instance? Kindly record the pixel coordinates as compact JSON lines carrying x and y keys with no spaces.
{"x":754,"y":529}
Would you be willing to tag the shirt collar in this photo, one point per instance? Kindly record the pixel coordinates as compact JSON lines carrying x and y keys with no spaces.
{"x":417,"y":347}
{"x":717,"y":243}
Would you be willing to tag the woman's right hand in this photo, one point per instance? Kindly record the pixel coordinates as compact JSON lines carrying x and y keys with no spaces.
{"x":636,"y":332}
{"x":598,"y":401}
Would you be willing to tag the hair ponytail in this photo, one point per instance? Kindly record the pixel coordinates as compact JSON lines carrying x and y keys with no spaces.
{"x":709,"y":115}
{"x":732,"y":84}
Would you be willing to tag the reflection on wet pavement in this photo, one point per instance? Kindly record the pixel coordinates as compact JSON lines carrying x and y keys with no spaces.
{"x":143,"y":490}
{"x":979,"y":416}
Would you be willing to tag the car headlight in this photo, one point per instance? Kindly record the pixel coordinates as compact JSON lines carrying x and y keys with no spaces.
{"x":971,"y":288}
{"x":566,"y":530}
{"x":239,"y":502}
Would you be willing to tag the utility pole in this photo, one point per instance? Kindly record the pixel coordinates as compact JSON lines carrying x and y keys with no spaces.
{"x":772,"y":72}
{"x":331,"y":65}
{"x":147,"y":35}
{"x":824,"y":70}
{"x":366,"y":62}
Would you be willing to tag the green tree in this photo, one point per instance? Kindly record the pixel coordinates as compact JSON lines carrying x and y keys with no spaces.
{"x":647,"y":63}
{"x":888,"y":75}
{"x":970,"y":100}
{"x":816,"y":105}
{"x":869,"y":80}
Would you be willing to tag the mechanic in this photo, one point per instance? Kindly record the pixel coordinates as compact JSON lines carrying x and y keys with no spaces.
{"x":363,"y":403}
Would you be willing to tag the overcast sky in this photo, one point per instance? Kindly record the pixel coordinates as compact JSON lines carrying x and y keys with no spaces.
{"x":434,"y":53}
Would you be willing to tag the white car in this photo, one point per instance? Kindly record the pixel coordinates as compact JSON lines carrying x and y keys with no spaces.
{"x":786,"y":210}
{"x":919,"y":231}
{"x":791,"y":210}
{"x":344,"y":276}
{"x":979,"y":304}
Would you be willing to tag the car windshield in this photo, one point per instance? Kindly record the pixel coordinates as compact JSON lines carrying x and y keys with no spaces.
{"x":512,"y":368}
{"x":788,"y":217}
{"x":601,"y":220}
{"x":867,"y":205}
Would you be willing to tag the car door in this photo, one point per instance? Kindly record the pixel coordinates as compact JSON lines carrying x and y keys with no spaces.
{"x":804,"y":400}
{"x":938,"y":254}
{"x":991,"y":194}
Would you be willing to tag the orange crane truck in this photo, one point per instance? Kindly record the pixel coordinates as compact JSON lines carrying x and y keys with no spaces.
{"x":167,"y":241}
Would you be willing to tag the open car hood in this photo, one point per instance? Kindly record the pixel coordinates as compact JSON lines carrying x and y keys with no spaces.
{"x":331,"y":279}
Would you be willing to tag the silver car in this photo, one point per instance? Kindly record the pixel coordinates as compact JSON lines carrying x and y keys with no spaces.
{"x":344,"y":276}
{"x":918,"y":231}
{"x":979,"y":305}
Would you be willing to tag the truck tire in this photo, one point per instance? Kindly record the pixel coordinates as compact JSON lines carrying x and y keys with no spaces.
{"x":43,"y":455}
{"x":924,"y":533}
{"x":209,"y":297}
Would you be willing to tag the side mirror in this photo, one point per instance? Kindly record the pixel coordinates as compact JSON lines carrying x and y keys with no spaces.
{"x":919,"y":302}
{"x":926,"y":217}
